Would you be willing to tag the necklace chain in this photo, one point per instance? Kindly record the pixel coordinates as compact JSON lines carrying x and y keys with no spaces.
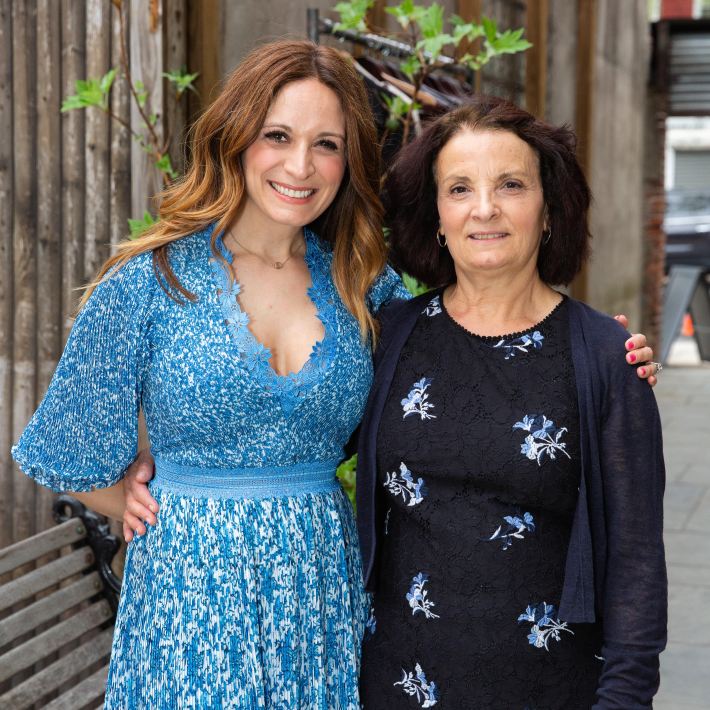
{"x":272,"y":264}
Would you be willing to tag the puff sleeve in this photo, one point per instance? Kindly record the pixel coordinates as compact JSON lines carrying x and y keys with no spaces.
{"x":387,"y":287}
{"x":85,"y":432}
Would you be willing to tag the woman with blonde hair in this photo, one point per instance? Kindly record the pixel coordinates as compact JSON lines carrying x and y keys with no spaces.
{"x":242,"y":324}
{"x":249,"y":592}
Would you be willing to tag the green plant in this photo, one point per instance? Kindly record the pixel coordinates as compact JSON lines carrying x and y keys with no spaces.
{"x":424,"y":29}
{"x":96,"y":93}
{"x":346,"y":474}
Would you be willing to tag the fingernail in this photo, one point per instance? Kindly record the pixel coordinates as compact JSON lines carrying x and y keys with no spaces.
{"x":631,"y":357}
{"x":152,"y":508}
{"x":629,"y":345}
{"x":643,"y":372}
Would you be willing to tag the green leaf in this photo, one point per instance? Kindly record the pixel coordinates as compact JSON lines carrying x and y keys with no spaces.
{"x":510,"y":42}
{"x":416,"y":288}
{"x":434,"y":45}
{"x":346,"y":473}
{"x":88,"y":93}
{"x":411,"y":66}
{"x":165,"y":166}
{"x":490,"y":28}
{"x":107,"y":81}
{"x":431,"y":20}
{"x":405,"y":13}
{"x":138,"y":226}
{"x":353,"y":14}
{"x":469,"y":31}
{"x":397,"y":109}
{"x":181,"y":80}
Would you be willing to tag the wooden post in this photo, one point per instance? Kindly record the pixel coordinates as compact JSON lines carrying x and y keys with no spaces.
{"x":24,"y":77}
{"x":586,"y":33}
{"x":97,"y":146}
{"x":49,"y":209}
{"x":73,"y":68}
{"x":6,"y":279}
{"x":120,"y":178}
{"x":471,"y":10}
{"x":203,"y":54}
{"x":146,"y":49}
{"x":175,"y":58}
{"x":536,"y":57}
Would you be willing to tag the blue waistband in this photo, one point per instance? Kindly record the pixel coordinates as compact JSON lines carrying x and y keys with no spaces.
{"x":266,"y":482}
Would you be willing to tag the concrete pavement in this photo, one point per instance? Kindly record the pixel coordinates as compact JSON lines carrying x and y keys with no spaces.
{"x":683,"y":395}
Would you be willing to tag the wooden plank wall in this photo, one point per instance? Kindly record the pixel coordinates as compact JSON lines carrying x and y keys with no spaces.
{"x":66,"y":186}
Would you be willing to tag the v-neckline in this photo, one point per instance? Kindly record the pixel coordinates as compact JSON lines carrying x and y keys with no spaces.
{"x":254,"y":355}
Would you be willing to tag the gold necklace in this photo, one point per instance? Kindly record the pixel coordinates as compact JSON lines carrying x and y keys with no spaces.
{"x":272,"y":264}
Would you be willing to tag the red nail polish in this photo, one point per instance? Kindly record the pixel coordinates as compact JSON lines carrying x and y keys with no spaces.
{"x":632,"y":358}
{"x":629,"y":345}
{"x":643,"y":372}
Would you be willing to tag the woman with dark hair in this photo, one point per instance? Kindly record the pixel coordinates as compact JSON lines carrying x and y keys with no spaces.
{"x":246,"y":590}
{"x":245,"y":336}
{"x":509,"y":503}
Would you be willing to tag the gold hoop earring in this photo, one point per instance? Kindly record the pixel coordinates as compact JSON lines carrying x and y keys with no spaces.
{"x":547,"y":237}
{"x":439,"y":237}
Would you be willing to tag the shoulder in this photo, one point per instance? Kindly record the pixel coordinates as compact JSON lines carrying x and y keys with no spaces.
{"x":397,"y":309}
{"x":396,"y":315}
{"x":602,"y":335}
{"x":386,"y":288}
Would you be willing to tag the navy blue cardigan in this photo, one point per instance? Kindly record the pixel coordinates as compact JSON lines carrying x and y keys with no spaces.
{"x":615,"y":568}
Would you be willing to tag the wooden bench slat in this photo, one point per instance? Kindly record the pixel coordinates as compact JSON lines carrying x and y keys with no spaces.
{"x":53,"y":572}
{"x":28,"y":653}
{"x":82,"y":693}
{"x":27,"y":550}
{"x":49,"y":608}
{"x":50,"y":678}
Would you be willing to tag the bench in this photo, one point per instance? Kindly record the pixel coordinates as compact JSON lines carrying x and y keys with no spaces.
{"x":58,"y":643}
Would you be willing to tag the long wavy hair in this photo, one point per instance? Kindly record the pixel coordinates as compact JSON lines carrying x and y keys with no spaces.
{"x":213,"y":187}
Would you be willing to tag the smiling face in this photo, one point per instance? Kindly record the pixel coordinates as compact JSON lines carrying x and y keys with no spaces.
{"x":295,"y":166}
{"x":490,"y":202}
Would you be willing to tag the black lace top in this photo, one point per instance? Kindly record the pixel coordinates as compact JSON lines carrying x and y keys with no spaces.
{"x":478,"y":456}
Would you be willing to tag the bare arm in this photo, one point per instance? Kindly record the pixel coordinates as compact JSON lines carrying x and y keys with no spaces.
{"x":107,"y":501}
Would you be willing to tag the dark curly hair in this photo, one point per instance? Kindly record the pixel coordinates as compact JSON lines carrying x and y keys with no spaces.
{"x":410,"y":192}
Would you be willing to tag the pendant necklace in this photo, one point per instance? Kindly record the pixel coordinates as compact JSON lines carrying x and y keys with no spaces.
{"x":272,"y":264}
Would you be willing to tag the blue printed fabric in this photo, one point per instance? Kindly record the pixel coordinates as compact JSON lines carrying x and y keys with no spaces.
{"x":227,"y":603}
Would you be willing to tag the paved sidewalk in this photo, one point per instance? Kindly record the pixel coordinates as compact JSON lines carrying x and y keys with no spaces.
{"x":683,"y":395}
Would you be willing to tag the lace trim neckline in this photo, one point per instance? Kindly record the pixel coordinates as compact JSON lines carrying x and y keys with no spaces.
{"x":255,"y":357}
{"x":504,"y":336}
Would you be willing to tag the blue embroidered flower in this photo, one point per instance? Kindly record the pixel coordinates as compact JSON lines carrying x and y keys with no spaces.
{"x":433,"y":307}
{"x":515,"y":528}
{"x":426,"y":693}
{"x":412,"y":492}
{"x":520,"y":344}
{"x":540,"y":441}
{"x":239,"y":319}
{"x":417,"y":597}
{"x":416,"y":402}
{"x":371,"y":624}
{"x":256,"y":357}
{"x":544,"y":625}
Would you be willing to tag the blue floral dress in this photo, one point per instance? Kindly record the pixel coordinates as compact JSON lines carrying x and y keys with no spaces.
{"x":478,"y":475}
{"x":248,"y":591}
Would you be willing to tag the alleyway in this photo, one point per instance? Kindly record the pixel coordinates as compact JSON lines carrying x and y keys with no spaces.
{"x":684,"y":399}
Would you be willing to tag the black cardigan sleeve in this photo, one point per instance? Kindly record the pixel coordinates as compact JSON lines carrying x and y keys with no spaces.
{"x":634,"y":597}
